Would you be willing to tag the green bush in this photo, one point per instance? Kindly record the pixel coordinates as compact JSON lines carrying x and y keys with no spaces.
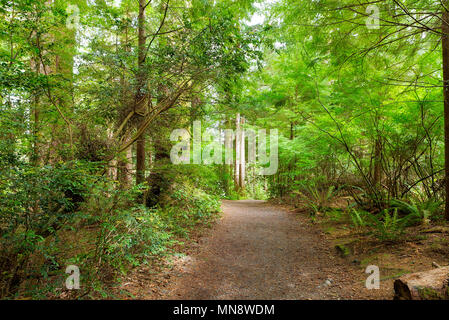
{"x":129,"y":235}
{"x":188,"y":206}
{"x":34,"y":204}
{"x":69,"y":213}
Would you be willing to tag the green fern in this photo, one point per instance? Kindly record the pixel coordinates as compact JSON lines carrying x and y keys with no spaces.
{"x":317,"y":200}
{"x":417,"y":213}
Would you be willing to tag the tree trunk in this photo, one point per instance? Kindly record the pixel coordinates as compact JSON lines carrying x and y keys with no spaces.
{"x":159,"y":180}
{"x":112,"y":168}
{"x":445,"y":45}
{"x":126,"y":167}
{"x":242,"y":156}
{"x":427,"y":285}
{"x":377,"y":161}
{"x":229,"y":154}
{"x":50,"y":61}
{"x":237,"y":153}
{"x":140,"y":160}
{"x":141,"y":95}
{"x":36,"y":157}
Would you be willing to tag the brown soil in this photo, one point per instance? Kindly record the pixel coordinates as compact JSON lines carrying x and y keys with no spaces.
{"x":262,"y":251}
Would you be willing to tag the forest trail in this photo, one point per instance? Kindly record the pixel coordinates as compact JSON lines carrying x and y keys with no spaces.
{"x":258,"y":251}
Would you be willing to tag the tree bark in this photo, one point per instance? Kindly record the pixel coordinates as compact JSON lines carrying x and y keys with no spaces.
{"x":140,"y":160}
{"x":125,"y":167}
{"x":228,"y":156}
{"x":242,"y":156}
{"x":36,"y":157}
{"x":445,"y":45}
{"x":237,"y":153}
{"x":159,"y":180}
{"x":112,"y":168}
{"x":377,"y":161}
{"x":140,"y":103}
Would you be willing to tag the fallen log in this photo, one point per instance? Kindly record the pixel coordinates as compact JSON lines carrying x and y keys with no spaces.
{"x":426,"y":285}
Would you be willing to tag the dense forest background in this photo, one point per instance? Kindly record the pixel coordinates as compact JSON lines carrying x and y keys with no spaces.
{"x":91,"y":91}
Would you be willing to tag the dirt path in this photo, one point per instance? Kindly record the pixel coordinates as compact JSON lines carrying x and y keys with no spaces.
{"x":258,"y":251}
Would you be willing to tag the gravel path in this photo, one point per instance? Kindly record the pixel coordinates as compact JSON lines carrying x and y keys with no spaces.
{"x":257,"y":251}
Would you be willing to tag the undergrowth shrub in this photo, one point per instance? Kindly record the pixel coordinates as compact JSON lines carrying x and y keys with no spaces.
{"x":419,"y":212}
{"x":69,"y":214}
{"x":187,"y":206}
{"x":386,"y":226}
{"x":336,"y":215}
{"x":129,"y":235}
{"x":317,"y":199}
{"x":35,"y":203}
{"x":126,"y":234}
{"x":390,"y":226}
